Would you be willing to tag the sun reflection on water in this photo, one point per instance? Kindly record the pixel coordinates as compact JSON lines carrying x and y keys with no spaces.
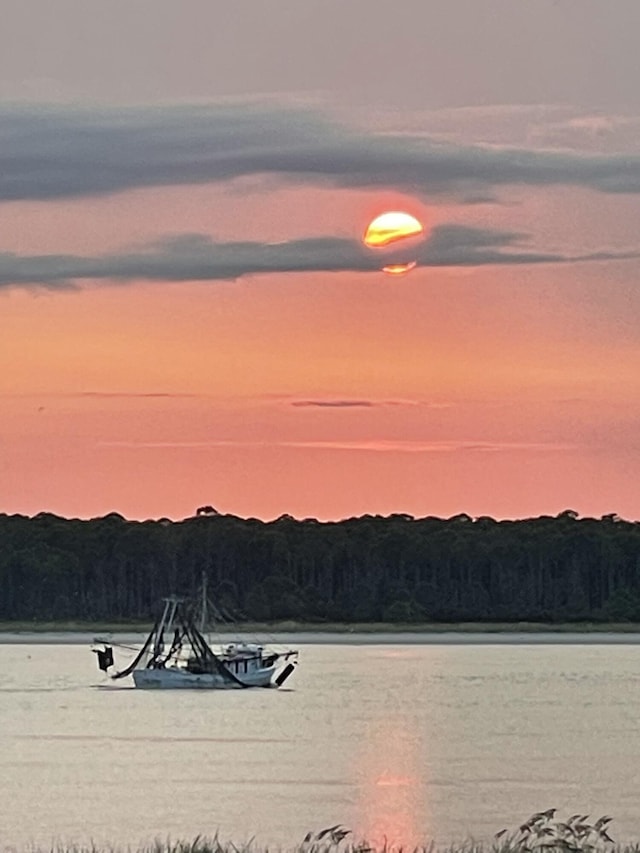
{"x":393,"y":784}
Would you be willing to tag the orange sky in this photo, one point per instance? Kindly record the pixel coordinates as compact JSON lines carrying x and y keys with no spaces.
{"x":506,"y":389}
{"x":485,"y":391}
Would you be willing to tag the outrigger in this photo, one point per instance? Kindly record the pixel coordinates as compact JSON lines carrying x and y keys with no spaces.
{"x":187,"y":660}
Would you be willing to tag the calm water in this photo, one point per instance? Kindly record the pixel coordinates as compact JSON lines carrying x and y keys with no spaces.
{"x":412,"y":741}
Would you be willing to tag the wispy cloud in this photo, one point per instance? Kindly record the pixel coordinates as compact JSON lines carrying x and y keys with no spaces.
{"x":195,"y":257}
{"x":371,"y":445}
{"x":335,"y":404}
{"x":137,"y":395}
{"x":128,"y":394}
{"x":365,"y":404}
{"x":262,"y":399}
{"x":54,"y":152}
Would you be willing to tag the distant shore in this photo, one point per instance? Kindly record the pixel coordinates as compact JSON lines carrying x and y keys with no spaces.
{"x":352,"y":633}
{"x":295,"y":627}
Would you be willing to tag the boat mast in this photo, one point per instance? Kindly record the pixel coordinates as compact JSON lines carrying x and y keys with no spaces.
{"x":203,"y":604}
{"x":168,"y":615}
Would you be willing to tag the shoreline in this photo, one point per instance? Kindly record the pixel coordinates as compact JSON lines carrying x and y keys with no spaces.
{"x":339,"y":628}
{"x":292,"y":633}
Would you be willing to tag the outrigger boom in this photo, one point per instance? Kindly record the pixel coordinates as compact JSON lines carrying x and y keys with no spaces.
{"x":190,"y":661}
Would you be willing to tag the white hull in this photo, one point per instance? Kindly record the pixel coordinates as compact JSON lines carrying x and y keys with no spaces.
{"x":178,"y":678}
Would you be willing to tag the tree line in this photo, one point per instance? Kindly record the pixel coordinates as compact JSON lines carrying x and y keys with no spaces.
{"x":367,"y":569}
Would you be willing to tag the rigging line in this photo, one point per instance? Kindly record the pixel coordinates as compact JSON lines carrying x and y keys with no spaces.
{"x":120,"y":646}
{"x":269,"y":636}
{"x":128,"y":670}
{"x":209,"y":655}
{"x":201,"y":646}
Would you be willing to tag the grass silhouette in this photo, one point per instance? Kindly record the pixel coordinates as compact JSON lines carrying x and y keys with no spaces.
{"x":542,"y":832}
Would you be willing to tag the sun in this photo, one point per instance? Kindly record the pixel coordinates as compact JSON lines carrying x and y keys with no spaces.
{"x":392,"y":227}
{"x":399,"y":269}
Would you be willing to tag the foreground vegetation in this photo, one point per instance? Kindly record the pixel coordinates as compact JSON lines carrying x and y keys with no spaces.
{"x":541,"y":833}
{"x":363,"y":571}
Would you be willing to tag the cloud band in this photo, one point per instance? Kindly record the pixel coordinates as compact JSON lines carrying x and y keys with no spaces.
{"x":195,"y":257}
{"x":49,"y":153}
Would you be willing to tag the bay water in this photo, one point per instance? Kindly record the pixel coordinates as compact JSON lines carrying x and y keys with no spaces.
{"x":408,"y":738}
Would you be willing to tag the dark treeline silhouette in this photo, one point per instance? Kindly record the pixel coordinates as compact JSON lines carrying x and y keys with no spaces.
{"x":367,"y":569}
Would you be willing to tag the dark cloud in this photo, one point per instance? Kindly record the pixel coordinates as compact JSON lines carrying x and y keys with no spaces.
{"x":195,"y":257}
{"x":365,"y":404}
{"x":48,"y":153}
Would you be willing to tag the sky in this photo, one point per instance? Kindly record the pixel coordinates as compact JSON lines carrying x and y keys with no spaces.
{"x":189,"y":317}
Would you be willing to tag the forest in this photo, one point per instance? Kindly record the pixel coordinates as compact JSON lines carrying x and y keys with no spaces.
{"x":396,"y":568}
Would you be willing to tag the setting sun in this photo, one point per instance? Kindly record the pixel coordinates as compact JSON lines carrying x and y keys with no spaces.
{"x":390,"y":227}
{"x":398,"y":269}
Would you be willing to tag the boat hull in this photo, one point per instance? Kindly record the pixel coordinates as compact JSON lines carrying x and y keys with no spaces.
{"x":174,"y":678}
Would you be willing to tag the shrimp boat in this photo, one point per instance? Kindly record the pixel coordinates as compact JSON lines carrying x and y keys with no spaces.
{"x":187,"y":660}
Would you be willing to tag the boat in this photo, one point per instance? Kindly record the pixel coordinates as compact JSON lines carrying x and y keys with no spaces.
{"x":188,"y":660}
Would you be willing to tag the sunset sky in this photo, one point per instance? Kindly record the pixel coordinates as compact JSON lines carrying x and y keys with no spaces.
{"x":188,"y":314}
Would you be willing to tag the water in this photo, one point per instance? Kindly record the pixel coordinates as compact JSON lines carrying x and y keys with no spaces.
{"x":405,"y":740}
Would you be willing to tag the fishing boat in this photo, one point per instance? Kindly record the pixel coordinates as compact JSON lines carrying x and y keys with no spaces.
{"x":177,"y":654}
